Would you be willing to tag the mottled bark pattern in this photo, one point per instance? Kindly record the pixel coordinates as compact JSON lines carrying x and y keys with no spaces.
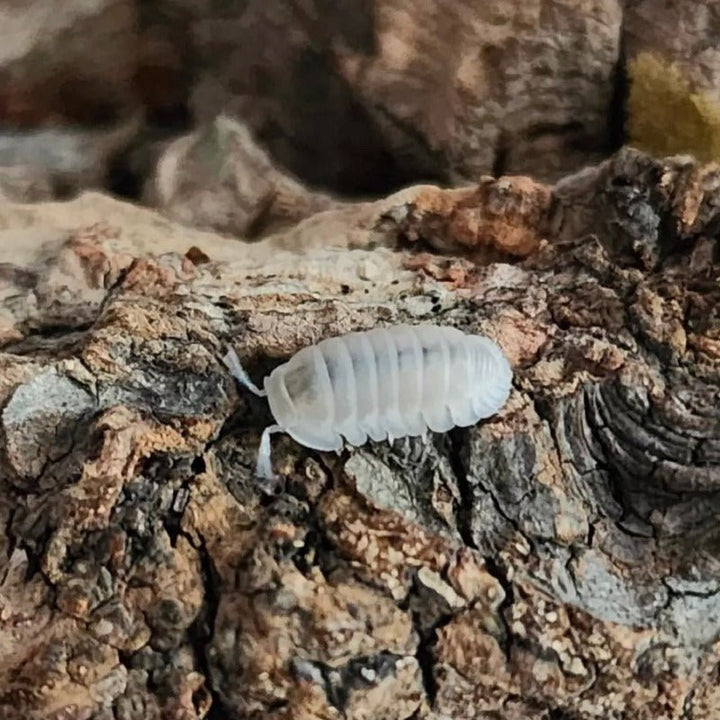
{"x":557,"y":561}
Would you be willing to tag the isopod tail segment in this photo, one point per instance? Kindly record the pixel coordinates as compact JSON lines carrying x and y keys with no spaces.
{"x":264,"y":463}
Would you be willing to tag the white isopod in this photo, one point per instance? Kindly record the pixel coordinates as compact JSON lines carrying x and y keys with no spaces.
{"x":384,"y":383}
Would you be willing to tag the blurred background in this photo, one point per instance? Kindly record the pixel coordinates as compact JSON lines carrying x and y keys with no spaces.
{"x":216,"y":110}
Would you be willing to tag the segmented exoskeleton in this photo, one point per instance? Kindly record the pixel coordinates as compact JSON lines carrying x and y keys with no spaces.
{"x":381,"y":384}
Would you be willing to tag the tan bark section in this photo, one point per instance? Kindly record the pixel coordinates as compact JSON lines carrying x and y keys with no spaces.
{"x":558,"y":560}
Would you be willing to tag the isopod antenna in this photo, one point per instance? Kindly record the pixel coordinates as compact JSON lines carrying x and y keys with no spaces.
{"x":263,"y":467}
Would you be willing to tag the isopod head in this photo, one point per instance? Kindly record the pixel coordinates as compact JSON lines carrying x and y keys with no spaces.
{"x":297,"y":404}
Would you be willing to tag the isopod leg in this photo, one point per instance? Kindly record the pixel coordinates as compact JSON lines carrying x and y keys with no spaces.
{"x":264,"y":463}
{"x":232,"y":362}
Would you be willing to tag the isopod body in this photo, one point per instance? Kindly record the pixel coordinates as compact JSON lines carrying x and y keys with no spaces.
{"x":382,"y":384}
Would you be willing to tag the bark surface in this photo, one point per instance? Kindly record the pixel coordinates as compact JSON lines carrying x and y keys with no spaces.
{"x":557,"y":561}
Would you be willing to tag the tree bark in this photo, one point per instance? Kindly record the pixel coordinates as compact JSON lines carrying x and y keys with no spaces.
{"x":559,"y":560}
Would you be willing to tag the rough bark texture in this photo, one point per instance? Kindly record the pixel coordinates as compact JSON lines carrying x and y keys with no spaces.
{"x":557,"y":561}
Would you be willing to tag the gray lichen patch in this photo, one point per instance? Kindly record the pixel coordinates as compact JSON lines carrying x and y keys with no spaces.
{"x":41,"y":418}
{"x":411,"y":479}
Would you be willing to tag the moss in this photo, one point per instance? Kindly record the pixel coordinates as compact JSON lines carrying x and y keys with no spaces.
{"x":666,"y":116}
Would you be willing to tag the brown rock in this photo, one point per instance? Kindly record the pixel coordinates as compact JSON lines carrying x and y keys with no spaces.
{"x":366,"y":96}
{"x":66,"y":159}
{"x":24,"y":183}
{"x":71,"y":62}
{"x":220,"y":179}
